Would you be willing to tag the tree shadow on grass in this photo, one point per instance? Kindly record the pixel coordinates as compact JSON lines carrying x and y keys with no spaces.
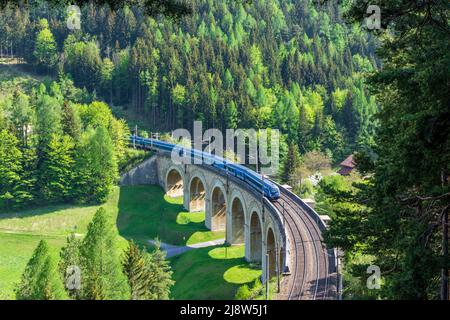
{"x":205,"y":274}
{"x":146,"y":213}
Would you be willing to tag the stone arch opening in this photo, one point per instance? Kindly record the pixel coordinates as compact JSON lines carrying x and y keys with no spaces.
{"x":196,"y":195}
{"x":219,"y":210}
{"x":174,"y":184}
{"x":237,"y":222}
{"x":255,"y":238}
{"x":271,"y":251}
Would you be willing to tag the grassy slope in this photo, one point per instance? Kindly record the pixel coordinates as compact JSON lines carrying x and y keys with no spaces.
{"x":146,"y":213}
{"x":197,"y":277}
{"x":21,"y":232}
{"x":142,"y":213}
{"x":13,"y":75}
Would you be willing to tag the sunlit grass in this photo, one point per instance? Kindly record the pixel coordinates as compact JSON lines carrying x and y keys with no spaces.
{"x":142,"y":213}
{"x":198,"y":276}
{"x":146,"y":213}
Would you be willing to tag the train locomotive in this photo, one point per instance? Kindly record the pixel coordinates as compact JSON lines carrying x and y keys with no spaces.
{"x":255,"y":180}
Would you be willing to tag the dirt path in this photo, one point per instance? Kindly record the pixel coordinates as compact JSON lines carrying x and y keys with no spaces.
{"x":173,"y":250}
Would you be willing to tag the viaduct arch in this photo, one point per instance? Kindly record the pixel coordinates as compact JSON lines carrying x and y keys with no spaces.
{"x":229,"y":204}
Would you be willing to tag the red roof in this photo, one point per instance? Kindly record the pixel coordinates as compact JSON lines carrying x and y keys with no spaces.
{"x":344,"y":171}
{"x":348,"y":162}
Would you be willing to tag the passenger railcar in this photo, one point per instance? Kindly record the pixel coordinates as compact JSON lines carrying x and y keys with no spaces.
{"x":255,"y":180}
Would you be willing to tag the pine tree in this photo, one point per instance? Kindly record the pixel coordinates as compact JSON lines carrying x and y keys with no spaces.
{"x":102,"y":276}
{"x":15,"y":187}
{"x":56,"y":169}
{"x":291,"y":162}
{"x":71,"y":122}
{"x":138,"y":274}
{"x":70,"y":260}
{"x":399,"y":212}
{"x":48,"y":118}
{"x":21,"y":116}
{"x":41,"y":280}
{"x":160,"y":274}
{"x":231,"y":116}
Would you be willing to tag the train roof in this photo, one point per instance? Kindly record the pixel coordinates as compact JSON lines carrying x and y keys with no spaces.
{"x":217,"y":158}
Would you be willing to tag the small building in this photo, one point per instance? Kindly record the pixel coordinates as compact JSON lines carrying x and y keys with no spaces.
{"x":326,"y":219}
{"x":310,"y":202}
{"x":347,"y":166}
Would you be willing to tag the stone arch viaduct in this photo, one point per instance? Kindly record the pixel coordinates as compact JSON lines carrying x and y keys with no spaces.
{"x":230,"y":205}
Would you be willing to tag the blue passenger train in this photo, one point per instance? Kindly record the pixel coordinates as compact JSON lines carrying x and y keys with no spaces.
{"x":271,"y":191}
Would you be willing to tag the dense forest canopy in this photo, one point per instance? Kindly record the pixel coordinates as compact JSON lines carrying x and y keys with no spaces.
{"x":292,"y":65}
{"x":399,"y":214}
{"x":286,"y":64}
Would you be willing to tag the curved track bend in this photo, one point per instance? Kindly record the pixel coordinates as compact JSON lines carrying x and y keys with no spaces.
{"x":313,"y":272}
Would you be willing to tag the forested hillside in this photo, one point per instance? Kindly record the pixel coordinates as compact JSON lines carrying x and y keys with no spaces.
{"x":56,"y":145}
{"x":284,"y":64}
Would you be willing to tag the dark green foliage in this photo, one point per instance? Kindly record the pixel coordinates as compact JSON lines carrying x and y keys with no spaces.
{"x":292,"y":161}
{"x":53,"y":148}
{"x":172,"y":8}
{"x":396,"y":215}
{"x":102,"y":276}
{"x":71,"y":122}
{"x":286,"y":64}
{"x":41,"y":280}
{"x":138,"y":274}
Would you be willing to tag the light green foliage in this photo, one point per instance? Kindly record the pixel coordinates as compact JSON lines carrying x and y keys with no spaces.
{"x":228,"y":65}
{"x":45,"y":50}
{"x":178,"y":94}
{"x":69,"y":259}
{"x":13,"y":186}
{"x":56,"y":170}
{"x":96,"y":166}
{"x":160,"y":275}
{"x":137,"y":210}
{"x":250,"y":291}
{"x":48,"y":117}
{"x":21,"y":115}
{"x":95,"y":114}
{"x":330,"y":184}
{"x":102,"y":275}
{"x":41,"y":280}
{"x":106,"y":73}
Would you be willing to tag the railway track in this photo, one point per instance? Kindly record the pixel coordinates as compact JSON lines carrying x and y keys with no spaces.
{"x":313,"y":274}
{"x":312,"y":267}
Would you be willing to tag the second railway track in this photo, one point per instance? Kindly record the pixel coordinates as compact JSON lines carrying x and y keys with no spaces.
{"x":311,"y":276}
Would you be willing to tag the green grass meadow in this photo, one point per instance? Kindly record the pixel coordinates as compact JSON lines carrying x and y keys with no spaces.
{"x":142,"y":213}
